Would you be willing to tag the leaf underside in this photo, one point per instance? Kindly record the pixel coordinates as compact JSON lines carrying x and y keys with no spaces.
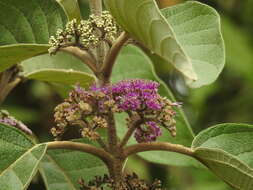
{"x":19,"y":158}
{"x":197,"y":29}
{"x":227,"y":149}
{"x":143,"y":20}
{"x":61,"y":68}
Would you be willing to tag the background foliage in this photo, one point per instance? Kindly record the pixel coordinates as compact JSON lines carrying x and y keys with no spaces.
{"x":217,"y":103}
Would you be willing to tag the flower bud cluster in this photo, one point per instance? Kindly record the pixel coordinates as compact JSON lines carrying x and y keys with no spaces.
{"x":82,"y":108}
{"x":87,"y":34}
{"x":6,"y":119}
{"x":129,"y":182}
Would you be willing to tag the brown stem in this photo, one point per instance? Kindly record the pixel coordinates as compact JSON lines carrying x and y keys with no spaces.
{"x":84,"y":56}
{"x":103,"y":155}
{"x":157,"y":146}
{"x":102,"y":144}
{"x":112,"y":133}
{"x":111,"y":57}
{"x":116,"y":170}
{"x":136,"y":122}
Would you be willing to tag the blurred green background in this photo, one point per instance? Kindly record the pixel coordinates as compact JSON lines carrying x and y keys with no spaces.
{"x":229,"y":99}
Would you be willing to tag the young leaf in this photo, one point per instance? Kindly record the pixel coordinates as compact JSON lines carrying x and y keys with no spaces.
{"x":20,"y":158}
{"x":197,"y":29}
{"x":37,"y":20}
{"x":61,"y":68}
{"x":133,"y":63}
{"x":71,"y":8}
{"x":143,"y":20}
{"x":227,"y":149}
{"x":84,"y":8}
{"x":61,"y":169}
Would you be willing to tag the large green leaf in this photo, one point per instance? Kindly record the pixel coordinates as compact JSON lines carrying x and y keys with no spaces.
{"x":197,"y":29}
{"x":61,"y":68}
{"x":143,"y":20}
{"x":227,"y":149}
{"x":19,"y":158}
{"x":61,"y":169}
{"x":25,"y":27}
{"x":133,"y":63}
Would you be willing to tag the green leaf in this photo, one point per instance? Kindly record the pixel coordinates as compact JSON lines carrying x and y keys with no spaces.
{"x":143,"y":20}
{"x":19,"y":158}
{"x":27,"y":36}
{"x":61,"y":169}
{"x":197,"y":29}
{"x":71,"y":8}
{"x":84,"y":8}
{"x":133,"y":63}
{"x":227,"y":149}
{"x":12,"y":54}
{"x":61,"y":68}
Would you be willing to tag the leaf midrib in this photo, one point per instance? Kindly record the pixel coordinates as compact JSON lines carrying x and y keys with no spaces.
{"x":10,"y":167}
{"x":62,"y":170}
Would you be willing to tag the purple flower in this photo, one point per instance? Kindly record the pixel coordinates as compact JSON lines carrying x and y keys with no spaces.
{"x":133,"y":95}
{"x":147,"y":133}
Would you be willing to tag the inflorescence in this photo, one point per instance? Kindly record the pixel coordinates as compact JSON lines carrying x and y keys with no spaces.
{"x":6,"y":119}
{"x":87,"y":33}
{"x":137,"y":97}
{"x":129,"y":182}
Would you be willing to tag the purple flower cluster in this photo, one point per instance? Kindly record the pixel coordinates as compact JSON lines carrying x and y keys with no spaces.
{"x":147,"y":133}
{"x":133,"y":95}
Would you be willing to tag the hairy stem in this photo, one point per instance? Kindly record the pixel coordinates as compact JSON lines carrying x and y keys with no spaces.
{"x":99,"y":152}
{"x":112,"y":133}
{"x":84,"y":56}
{"x":102,"y":144}
{"x":157,"y":146}
{"x":111,"y":57}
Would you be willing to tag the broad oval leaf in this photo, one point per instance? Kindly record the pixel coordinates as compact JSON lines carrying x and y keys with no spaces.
{"x":19,"y":158}
{"x":197,"y":29}
{"x":25,"y":27}
{"x":133,"y":63}
{"x":61,"y":68}
{"x":61,"y":169}
{"x":227,"y":149}
{"x":143,"y":20}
